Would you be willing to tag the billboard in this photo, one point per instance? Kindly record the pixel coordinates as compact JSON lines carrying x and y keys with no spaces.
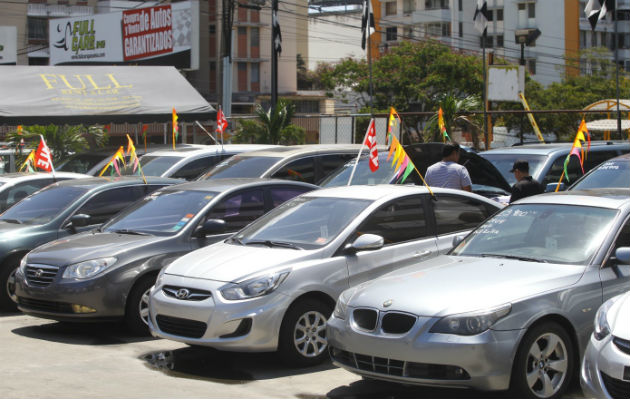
{"x":8,"y":45}
{"x":505,"y":82}
{"x":160,"y":35}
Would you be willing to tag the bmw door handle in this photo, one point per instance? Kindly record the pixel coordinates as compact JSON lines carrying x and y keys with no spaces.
{"x":421,"y":254}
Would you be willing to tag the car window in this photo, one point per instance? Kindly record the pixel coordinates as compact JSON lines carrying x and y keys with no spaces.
{"x":280,"y":194}
{"x":153,"y":165}
{"x":44,"y":206}
{"x":623,"y":240}
{"x":503,"y":163}
{"x":399,"y":221}
{"x":240,"y":167}
{"x":557,"y":168}
{"x":458,"y":213}
{"x":16,"y":193}
{"x":593,"y":158}
{"x":613,"y":173}
{"x":195,"y":168}
{"x":330,"y":162}
{"x":302,"y":170}
{"x":81,"y":163}
{"x":239,"y":209}
{"x":104,"y":205}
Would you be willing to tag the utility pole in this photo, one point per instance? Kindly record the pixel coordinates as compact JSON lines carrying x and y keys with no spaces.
{"x":274,"y":55}
{"x":225,"y":67}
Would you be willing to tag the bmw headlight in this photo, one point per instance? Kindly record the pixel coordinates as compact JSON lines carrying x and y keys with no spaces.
{"x":472,"y":323}
{"x":255,"y":287}
{"x":602,"y":328}
{"x":87,"y":269}
{"x":341,"y":308}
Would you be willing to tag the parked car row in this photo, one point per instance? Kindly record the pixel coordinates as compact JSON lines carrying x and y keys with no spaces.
{"x":393,"y":282}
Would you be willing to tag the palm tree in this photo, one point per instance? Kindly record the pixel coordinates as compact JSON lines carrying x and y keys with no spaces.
{"x":272,"y":126}
{"x":451,"y":108}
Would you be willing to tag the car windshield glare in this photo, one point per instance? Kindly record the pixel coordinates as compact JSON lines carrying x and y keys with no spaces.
{"x":553,"y":233}
{"x":152,"y":165}
{"x":162,"y":214}
{"x":44,"y":206}
{"x":305,"y":222}
{"x":504,"y":162}
{"x":240,"y":167}
{"x":614,"y":173}
{"x":362,"y":173}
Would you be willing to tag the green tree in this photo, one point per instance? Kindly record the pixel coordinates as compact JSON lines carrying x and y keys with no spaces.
{"x":454,"y":112}
{"x":271,"y":127}
{"x":62,"y":140}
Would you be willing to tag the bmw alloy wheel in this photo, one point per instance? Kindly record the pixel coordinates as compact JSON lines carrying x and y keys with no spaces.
{"x":309,"y":335}
{"x":547,"y":365}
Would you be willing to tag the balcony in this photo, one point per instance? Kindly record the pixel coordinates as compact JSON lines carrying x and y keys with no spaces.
{"x":432,"y":15}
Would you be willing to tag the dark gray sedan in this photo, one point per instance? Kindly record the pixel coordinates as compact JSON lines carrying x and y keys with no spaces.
{"x":59,"y":210}
{"x":106,"y":274}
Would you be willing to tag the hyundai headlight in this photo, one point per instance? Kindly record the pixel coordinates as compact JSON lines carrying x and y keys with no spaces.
{"x":255,"y":287}
{"x":88,"y":269}
{"x":602,"y":328}
{"x":472,"y":323}
{"x":341,"y":308}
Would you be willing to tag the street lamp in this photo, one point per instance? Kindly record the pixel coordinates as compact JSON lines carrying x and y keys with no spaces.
{"x":526,"y":37}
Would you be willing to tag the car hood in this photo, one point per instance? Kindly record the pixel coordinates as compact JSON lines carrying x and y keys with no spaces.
{"x":231,"y":263}
{"x":449,"y":285}
{"x":619,"y":317}
{"x":13,"y":232}
{"x":88,"y":246}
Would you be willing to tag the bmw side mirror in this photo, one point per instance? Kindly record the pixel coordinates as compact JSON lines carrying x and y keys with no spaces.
{"x":623,"y":255}
{"x":551,"y":187}
{"x":210,"y":227}
{"x":367,"y":241}
{"x":80,"y":220}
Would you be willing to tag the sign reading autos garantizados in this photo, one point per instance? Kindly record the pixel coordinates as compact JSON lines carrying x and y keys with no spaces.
{"x":128,"y":36}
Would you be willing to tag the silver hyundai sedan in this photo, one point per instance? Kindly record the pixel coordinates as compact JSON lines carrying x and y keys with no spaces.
{"x":509,"y":307}
{"x":274,"y":284}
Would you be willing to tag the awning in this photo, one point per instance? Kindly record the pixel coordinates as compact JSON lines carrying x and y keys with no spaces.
{"x":97,"y":95}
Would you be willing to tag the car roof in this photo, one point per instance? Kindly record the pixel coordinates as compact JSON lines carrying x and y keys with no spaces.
{"x":297,"y":150}
{"x":93,"y":182}
{"x":194,"y":150}
{"x":549,"y":148}
{"x":225,"y":184}
{"x":27,"y":176}
{"x":601,"y":197}
{"x":376,"y":192}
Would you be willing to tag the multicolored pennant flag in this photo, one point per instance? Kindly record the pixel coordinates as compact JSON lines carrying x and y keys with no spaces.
{"x":133,"y":158}
{"x":577,"y":150}
{"x":144,"y":135}
{"x":43,"y":157}
{"x":442,"y":126}
{"x":107,"y":128}
{"x":404,"y":165}
{"x":19,"y":129}
{"x":175,"y":128}
{"x":29,"y":163}
{"x":370,"y":142}
{"x":222,"y":122}
{"x":391,"y":123}
{"x":118,"y":156}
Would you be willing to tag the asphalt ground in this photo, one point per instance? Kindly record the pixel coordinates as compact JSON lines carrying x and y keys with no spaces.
{"x":46,"y":359}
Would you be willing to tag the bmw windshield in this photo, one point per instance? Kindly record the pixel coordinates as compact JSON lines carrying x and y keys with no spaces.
{"x":43,"y":206}
{"x":554,"y":233}
{"x":302,"y":223}
{"x":162,"y":214}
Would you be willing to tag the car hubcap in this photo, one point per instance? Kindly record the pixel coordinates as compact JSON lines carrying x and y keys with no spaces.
{"x":11,"y":286}
{"x":143,"y":307}
{"x":547,"y":365}
{"x":309,"y":336}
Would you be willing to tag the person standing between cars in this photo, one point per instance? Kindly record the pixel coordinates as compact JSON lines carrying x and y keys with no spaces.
{"x":448,"y":173}
{"x":525,"y":185}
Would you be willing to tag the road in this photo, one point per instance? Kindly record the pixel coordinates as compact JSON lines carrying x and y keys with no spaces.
{"x":47,"y":359}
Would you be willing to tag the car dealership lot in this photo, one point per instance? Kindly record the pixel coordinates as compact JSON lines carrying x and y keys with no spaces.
{"x":46,"y":359}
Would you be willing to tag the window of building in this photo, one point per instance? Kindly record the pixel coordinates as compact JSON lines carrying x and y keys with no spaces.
{"x":212,"y":29}
{"x":391,"y":33}
{"x":531,"y":10}
{"x":499,"y":14}
{"x":593,"y":39}
{"x":582,"y":39}
{"x":254,"y":37}
{"x":488,"y":43}
{"x":439,"y":29}
{"x":531,"y":66}
{"x":213,"y":76}
{"x":436,"y":4}
{"x":390,"y":8}
{"x":255,"y":72}
{"x":490,"y":15}
{"x":409,"y":6}
{"x":37,"y":28}
{"x":461,"y":29}
{"x":499,"y":40}
{"x":460,"y":6}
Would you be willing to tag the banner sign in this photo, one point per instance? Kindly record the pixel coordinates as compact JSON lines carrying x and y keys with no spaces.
{"x":147,"y":32}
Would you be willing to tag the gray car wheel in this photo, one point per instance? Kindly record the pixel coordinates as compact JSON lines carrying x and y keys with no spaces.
{"x":8,"y":300}
{"x":137,"y":311}
{"x":545,"y":362}
{"x":302,"y":339}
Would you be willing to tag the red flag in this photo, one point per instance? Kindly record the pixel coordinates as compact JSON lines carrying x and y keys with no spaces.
{"x":43,"y":158}
{"x":370,"y":142}
{"x":222,"y":122}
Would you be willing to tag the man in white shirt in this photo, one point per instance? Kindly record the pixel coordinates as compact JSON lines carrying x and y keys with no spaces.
{"x":448,"y":173}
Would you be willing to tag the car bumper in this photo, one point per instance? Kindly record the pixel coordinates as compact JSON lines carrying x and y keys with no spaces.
{"x":605,"y":371}
{"x":98,"y":299}
{"x":481,"y":361}
{"x":246,"y":325}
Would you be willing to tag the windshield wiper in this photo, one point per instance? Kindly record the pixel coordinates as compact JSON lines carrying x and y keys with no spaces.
{"x":273,"y":243}
{"x":130,"y":232}
{"x":13,"y":221}
{"x":520,"y":258}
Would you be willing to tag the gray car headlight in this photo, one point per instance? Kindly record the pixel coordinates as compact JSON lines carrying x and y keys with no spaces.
{"x":341,"y":308}
{"x":472,"y":323}
{"x":255,"y":287}
{"x":602,"y":328}
{"x":87,"y":269}
{"x":22,"y":267}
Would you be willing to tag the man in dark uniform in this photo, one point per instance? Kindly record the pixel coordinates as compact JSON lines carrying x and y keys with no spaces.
{"x":525,"y":185}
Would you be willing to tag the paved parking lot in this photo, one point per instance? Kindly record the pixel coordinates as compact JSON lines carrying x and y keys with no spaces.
{"x":47,"y":359}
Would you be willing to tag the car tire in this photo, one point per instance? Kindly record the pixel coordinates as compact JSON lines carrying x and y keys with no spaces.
{"x":544,"y":364}
{"x":302,"y":340}
{"x":137,"y":310}
{"x":7,"y":283}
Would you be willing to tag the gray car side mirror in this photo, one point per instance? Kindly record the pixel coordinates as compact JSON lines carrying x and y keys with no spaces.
{"x":80,"y":220}
{"x":211,"y":226}
{"x":623,"y":255}
{"x":367,"y":241}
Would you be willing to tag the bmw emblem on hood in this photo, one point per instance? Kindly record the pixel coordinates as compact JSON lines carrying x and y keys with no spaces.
{"x":388,"y":303}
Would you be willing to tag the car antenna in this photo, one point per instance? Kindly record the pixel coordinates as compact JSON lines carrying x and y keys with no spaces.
{"x":208,"y":133}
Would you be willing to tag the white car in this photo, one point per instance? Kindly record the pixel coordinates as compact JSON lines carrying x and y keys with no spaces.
{"x":16,"y":186}
{"x":606,"y":365}
{"x":273,"y":285}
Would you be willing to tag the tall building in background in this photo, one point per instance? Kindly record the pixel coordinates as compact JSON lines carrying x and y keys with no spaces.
{"x":564,"y":31}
